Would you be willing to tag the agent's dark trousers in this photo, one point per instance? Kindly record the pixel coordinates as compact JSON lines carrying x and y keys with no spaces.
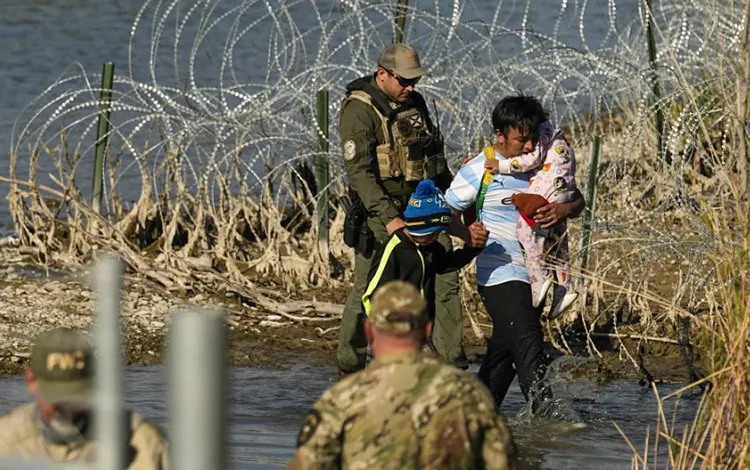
{"x":516,"y":345}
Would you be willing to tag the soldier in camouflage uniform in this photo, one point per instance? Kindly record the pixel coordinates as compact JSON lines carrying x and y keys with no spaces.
{"x":389,"y":145}
{"x":57,"y":426}
{"x":408,"y":409}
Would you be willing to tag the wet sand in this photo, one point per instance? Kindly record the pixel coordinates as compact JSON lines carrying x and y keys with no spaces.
{"x":33,"y":300}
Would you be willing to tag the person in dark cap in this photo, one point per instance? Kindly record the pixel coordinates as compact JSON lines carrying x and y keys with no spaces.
{"x":389,"y":145}
{"x":408,"y":409}
{"x":58,"y":424}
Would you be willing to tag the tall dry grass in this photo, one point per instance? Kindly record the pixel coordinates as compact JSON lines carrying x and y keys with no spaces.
{"x":707,"y":117}
{"x":719,"y":436}
{"x":205,"y":182}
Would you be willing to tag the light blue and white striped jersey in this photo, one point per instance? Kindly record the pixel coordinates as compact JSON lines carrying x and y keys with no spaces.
{"x":502,"y":259}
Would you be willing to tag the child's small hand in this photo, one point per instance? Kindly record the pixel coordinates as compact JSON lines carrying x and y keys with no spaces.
{"x":478,"y":235}
{"x":492,"y":165}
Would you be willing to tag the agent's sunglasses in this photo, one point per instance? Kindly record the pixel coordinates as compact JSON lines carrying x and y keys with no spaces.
{"x":404,"y":82}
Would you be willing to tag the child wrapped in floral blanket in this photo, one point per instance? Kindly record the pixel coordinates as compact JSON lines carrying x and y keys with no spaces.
{"x":551,"y":166}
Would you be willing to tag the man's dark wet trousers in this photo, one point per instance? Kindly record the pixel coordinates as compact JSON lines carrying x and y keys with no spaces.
{"x":517,"y":342}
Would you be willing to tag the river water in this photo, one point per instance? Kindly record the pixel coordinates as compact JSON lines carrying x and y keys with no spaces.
{"x":42,"y":40}
{"x":267,"y":407}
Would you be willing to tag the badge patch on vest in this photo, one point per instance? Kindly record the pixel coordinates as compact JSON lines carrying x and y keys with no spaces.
{"x":308,"y":427}
{"x":350,"y":150}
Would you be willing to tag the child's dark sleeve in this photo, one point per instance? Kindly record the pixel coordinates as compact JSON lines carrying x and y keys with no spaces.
{"x":383,"y":269}
{"x":444,"y":261}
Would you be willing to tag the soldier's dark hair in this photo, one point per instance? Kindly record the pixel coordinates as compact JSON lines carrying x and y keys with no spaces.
{"x":522,"y":112}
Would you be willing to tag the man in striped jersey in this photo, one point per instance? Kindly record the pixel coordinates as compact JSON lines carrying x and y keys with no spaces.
{"x":516,"y":345}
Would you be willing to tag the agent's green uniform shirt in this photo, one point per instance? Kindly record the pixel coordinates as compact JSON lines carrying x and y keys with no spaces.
{"x":405,"y":411}
{"x":360,"y":124}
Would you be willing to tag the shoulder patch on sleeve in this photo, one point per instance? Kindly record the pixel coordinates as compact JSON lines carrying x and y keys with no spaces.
{"x":311,"y":423}
{"x":350,"y":150}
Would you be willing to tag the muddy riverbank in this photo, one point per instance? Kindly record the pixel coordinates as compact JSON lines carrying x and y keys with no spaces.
{"x":33,"y":299}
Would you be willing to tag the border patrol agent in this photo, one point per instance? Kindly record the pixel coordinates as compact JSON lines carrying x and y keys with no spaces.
{"x":407,"y":409}
{"x":389,"y":145}
{"x":57,"y":426}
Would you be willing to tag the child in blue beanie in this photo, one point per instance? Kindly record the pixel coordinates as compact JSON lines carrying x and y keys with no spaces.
{"x":412,"y":254}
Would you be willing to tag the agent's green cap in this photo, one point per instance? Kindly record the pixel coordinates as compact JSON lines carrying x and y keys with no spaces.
{"x":63,"y":362}
{"x":398,"y":306}
{"x":402,"y":60}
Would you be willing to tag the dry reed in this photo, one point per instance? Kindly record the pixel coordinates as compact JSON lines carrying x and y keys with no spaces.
{"x":208,"y":187}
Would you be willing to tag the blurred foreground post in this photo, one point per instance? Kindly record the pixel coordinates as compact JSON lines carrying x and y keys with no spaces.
{"x":102,"y":132}
{"x":321,"y":171}
{"x":589,"y":212}
{"x":401,"y":9}
{"x":110,"y":410}
{"x":198,"y":390}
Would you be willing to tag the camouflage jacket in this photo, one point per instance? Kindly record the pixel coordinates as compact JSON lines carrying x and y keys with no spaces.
{"x":21,"y":437}
{"x":405,"y":411}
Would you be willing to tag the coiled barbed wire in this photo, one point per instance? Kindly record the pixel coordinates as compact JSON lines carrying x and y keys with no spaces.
{"x":188,"y":120}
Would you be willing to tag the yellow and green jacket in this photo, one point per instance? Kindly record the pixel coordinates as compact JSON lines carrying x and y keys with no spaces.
{"x":403,"y":260}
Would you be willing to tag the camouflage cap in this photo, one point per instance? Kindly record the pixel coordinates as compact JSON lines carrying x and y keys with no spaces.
{"x":402,"y":60}
{"x":398,"y":306}
{"x":62,"y":361}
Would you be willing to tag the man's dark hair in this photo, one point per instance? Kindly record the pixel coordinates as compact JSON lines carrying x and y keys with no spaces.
{"x":524,"y":113}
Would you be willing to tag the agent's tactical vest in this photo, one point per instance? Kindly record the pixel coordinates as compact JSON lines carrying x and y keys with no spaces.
{"x":412,"y":147}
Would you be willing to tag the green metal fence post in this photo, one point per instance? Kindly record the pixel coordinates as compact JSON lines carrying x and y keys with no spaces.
{"x":588,"y":214}
{"x":655,"y":88}
{"x":321,"y":170}
{"x":102,"y":132}
{"x":401,"y":9}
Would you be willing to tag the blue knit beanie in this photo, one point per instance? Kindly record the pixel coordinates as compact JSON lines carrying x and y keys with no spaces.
{"x":427,"y":210}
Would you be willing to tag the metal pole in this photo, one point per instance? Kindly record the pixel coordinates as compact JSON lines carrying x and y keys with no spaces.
{"x":321,"y":170}
{"x":588,"y":214}
{"x":198,"y":390}
{"x":401,"y":9}
{"x":655,"y":88}
{"x":110,"y":412}
{"x":102,"y":133}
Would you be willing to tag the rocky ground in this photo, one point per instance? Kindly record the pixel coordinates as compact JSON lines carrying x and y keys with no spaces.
{"x":33,"y":299}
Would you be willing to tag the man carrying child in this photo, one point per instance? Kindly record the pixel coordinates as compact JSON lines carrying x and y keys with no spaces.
{"x":516,"y":344}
